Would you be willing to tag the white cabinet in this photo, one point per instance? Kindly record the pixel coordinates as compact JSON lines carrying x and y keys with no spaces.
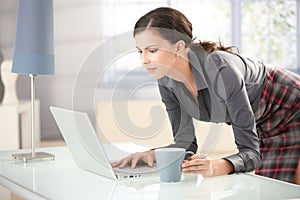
{"x":15,"y":125}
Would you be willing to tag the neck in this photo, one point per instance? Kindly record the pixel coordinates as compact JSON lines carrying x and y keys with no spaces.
{"x":183,"y":73}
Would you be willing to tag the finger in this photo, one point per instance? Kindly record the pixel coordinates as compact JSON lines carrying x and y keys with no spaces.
{"x":202,"y":156}
{"x":116,"y":164}
{"x":193,"y":157}
{"x":125,"y":161}
{"x":196,"y":168}
{"x":193,"y":172}
{"x":123,"y":164}
{"x":198,"y":156}
{"x":204,"y":173}
{"x":185,"y":161}
{"x":200,"y":169}
{"x":150,"y":160}
{"x":135,"y":159}
{"x":195,"y":162}
{"x":198,"y":164}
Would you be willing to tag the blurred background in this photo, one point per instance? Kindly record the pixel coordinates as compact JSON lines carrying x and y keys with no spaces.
{"x":267,"y":30}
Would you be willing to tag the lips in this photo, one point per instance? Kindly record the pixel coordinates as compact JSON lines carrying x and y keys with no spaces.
{"x":150,"y":69}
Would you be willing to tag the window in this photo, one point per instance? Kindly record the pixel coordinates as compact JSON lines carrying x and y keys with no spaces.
{"x":266,"y":30}
{"x":269,"y":31}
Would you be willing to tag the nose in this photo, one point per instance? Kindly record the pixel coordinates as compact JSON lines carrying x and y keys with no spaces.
{"x":144,"y":58}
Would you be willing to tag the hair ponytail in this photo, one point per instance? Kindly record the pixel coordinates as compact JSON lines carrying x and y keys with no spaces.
{"x":213,"y":46}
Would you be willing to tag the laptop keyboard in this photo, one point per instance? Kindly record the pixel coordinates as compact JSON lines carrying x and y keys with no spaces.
{"x":139,"y":169}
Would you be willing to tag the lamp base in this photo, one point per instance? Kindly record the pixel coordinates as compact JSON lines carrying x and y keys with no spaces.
{"x":28,"y":156}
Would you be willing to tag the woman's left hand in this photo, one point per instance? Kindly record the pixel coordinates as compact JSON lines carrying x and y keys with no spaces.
{"x":198,"y":164}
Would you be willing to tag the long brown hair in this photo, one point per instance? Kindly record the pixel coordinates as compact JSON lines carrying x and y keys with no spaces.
{"x":174,"y":26}
{"x":213,"y":46}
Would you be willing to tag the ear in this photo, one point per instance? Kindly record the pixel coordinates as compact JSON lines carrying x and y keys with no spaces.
{"x":180,"y":45}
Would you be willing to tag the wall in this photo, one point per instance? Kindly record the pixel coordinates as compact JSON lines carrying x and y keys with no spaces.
{"x":111,"y":129}
{"x":77,"y":32}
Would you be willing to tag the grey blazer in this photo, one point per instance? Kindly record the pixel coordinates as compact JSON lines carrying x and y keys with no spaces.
{"x":229,"y":89}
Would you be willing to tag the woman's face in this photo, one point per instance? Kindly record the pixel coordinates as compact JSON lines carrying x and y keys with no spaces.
{"x":157,"y":54}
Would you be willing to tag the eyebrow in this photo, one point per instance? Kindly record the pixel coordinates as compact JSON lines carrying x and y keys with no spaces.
{"x":150,"y":46}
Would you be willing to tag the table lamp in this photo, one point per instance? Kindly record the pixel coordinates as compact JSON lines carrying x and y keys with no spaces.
{"x":34,"y":54}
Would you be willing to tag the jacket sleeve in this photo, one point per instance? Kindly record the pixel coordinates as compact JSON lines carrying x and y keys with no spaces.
{"x":230,"y":90}
{"x":181,"y":122}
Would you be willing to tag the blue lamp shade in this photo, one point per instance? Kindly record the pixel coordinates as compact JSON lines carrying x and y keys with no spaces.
{"x":34,"y":43}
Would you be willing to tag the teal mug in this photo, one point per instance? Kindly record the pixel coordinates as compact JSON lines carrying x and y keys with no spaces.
{"x":169,"y":161}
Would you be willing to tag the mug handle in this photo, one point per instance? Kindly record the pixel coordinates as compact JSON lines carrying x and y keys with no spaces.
{"x":188,"y":154}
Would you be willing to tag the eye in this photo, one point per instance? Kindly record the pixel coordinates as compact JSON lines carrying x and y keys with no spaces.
{"x":139,"y":51}
{"x":153,"y":50}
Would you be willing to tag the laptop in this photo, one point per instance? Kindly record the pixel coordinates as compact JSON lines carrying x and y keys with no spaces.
{"x":89,"y":153}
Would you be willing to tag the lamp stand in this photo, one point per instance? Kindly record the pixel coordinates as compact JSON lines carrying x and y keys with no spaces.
{"x":33,"y":155}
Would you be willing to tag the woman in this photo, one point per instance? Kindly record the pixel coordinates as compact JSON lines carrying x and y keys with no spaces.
{"x":209,"y":82}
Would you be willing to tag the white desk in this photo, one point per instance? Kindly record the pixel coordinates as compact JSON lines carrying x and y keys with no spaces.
{"x":61,"y":179}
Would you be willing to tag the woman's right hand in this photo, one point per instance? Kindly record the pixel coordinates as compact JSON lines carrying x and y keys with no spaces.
{"x":147,"y":157}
